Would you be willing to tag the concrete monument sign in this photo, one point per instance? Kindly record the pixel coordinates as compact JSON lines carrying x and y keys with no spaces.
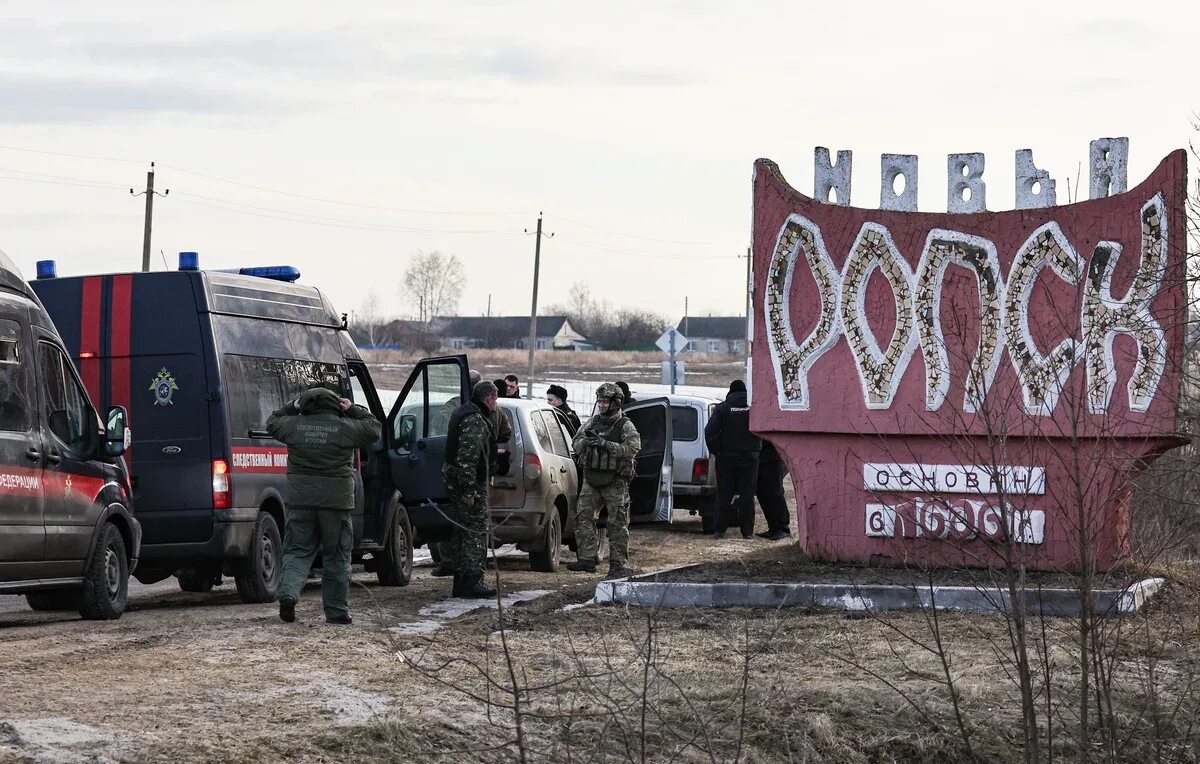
{"x":951,"y":387}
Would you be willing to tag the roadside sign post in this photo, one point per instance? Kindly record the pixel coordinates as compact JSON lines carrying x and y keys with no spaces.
{"x":671,"y":342}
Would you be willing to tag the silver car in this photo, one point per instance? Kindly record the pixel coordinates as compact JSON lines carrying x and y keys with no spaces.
{"x":533,"y":503}
{"x":693,"y":479}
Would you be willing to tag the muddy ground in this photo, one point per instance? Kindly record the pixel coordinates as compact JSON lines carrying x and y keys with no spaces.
{"x":190,"y":677}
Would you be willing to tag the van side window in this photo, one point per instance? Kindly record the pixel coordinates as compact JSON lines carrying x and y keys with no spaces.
{"x":685,"y":423}
{"x":14,"y":380}
{"x":66,"y":405}
{"x":255,"y":386}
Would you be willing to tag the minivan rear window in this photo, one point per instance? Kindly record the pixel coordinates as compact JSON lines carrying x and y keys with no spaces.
{"x":685,"y":423}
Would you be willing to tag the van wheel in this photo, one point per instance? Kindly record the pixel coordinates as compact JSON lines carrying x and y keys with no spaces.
{"x":396,"y":565}
{"x":106,"y":578}
{"x":545,"y":560}
{"x":260,"y":579}
{"x":198,"y":580}
{"x":57,"y":599}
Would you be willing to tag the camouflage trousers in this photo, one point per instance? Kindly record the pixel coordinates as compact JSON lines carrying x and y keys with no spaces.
{"x":614,"y":497}
{"x":467,"y":549}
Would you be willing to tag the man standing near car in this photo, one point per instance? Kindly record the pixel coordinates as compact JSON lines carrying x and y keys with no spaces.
{"x":322,"y":431}
{"x":469,"y":444}
{"x":501,"y":433}
{"x":769,"y":490}
{"x":556,"y":396}
{"x":736,"y":449}
{"x":606,"y":444}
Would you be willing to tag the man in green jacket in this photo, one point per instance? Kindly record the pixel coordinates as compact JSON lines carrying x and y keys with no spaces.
{"x":322,"y":431}
{"x":466,"y":471}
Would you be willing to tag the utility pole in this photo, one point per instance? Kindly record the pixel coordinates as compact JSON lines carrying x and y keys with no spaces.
{"x":537,"y":265}
{"x":149,"y":192}
{"x":489,"y":322}
{"x":685,"y":316}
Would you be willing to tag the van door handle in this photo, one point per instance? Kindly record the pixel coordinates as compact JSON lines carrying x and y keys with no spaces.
{"x":33,"y":454}
{"x":53,"y":457}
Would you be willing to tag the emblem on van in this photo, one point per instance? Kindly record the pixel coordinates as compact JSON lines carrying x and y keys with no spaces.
{"x":164,"y":387}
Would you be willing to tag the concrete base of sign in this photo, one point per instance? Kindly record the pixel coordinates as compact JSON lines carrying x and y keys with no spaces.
{"x":649,"y":590}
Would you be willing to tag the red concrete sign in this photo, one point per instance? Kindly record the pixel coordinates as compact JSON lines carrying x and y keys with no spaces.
{"x":960,"y":387}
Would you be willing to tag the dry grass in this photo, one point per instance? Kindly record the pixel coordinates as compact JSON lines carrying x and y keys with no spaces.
{"x":817,"y":688}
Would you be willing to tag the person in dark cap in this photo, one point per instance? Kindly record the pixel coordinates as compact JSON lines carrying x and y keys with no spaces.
{"x":625,"y":392}
{"x":556,"y":396}
{"x":736,"y":450}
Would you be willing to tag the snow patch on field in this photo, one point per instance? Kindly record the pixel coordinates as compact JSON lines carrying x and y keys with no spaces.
{"x":435,"y":615}
{"x":347,"y":706}
{"x":57,"y":740}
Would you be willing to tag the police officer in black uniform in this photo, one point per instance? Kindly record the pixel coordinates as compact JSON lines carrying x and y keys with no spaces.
{"x":736,"y":450}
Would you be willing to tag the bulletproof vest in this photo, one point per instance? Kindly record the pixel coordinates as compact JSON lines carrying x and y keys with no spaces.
{"x":601,"y":466}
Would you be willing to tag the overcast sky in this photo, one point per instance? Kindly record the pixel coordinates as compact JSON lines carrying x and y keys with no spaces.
{"x":449,"y":125}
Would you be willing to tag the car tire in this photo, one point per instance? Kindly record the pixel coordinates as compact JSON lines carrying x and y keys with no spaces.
{"x":396,"y":560}
{"x":106,"y":578}
{"x":197,"y":580}
{"x":55,"y":599}
{"x":260,"y":580}
{"x":545,"y":560}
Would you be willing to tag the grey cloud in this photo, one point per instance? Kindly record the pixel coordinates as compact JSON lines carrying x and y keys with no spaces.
{"x":31,"y":98}
{"x":1116,"y":30}
{"x":381,"y":52}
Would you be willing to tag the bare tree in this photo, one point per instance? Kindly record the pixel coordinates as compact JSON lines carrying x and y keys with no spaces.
{"x":434,"y":282}
{"x":371,"y":325}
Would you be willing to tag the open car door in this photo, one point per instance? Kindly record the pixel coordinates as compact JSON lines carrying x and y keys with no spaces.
{"x":650,"y":496}
{"x":416,"y":432}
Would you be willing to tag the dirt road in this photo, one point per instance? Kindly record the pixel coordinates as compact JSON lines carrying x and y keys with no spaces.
{"x":202,"y":677}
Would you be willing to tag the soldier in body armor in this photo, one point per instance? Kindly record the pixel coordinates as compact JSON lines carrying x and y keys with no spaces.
{"x":606,"y":444}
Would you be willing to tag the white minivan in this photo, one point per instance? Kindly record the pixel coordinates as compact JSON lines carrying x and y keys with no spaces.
{"x":694,"y":480}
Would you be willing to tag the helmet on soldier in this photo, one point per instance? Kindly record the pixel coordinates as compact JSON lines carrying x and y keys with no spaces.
{"x":611,"y":393}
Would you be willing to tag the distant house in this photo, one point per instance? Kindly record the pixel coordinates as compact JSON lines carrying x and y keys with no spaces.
{"x":466,"y":332}
{"x":715,"y":334}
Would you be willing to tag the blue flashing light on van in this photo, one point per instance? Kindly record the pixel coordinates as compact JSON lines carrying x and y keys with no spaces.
{"x":189,"y":261}
{"x":277,"y":272}
{"x":46,"y":269}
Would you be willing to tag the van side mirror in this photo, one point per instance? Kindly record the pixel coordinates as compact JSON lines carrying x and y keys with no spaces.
{"x":407,"y":432}
{"x":117,"y":435}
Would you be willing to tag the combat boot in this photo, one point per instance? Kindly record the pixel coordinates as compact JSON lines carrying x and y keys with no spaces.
{"x":619,"y":570}
{"x":473,"y":589}
{"x":582,"y":566}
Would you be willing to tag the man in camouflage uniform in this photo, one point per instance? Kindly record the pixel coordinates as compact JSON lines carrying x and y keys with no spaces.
{"x":322,"y":431}
{"x":468,"y":457}
{"x":606,"y":444}
{"x":501,"y":433}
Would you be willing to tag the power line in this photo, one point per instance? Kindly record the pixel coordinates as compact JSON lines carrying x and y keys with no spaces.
{"x":341,"y":202}
{"x":66,"y":154}
{"x":642,"y":252}
{"x":289,"y":217}
{"x":631,"y":235}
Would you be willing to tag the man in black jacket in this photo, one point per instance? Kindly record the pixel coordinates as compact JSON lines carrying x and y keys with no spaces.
{"x":736,"y":450}
{"x":556,"y":396}
{"x":771,"y":471}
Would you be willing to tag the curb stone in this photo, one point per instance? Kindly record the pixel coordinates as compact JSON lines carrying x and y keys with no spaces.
{"x":645,"y":590}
